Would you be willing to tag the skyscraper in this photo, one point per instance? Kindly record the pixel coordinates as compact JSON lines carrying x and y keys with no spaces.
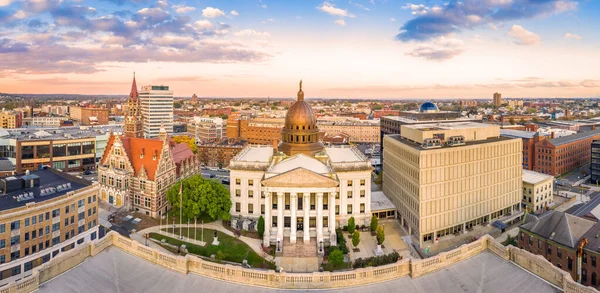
{"x":156,"y":103}
{"x":497,"y":99}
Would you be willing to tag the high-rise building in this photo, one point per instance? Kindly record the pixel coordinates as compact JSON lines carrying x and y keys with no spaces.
{"x":156,"y":102}
{"x":194,"y":99}
{"x":497,"y":99}
{"x":446,"y":178}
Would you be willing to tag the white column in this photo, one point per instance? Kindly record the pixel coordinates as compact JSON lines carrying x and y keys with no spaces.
{"x":306,"y":217}
{"x":319,"y":216}
{"x":268,"y":207}
{"x":280,"y":216}
{"x":331,"y":207}
{"x":294,"y":203}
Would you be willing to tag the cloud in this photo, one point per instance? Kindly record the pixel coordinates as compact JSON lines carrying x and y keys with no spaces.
{"x":11,"y":46}
{"x":332,"y":10}
{"x":234,"y":13}
{"x":361,"y":7}
{"x":522,"y":36}
{"x":5,"y":2}
{"x":264,"y":6}
{"x":210,"y":12}
{"x":182,"y":9}
{"x":162,"y":3}
{"x":439,"y":49}
{"x":340,"y":22}
{"x":457,"y":16}
{"x":392,"y":19}
{"x":203,"y":24}
{"x":572,"y":36}
{"x":268,"y":20}
{"x":251,"y":33}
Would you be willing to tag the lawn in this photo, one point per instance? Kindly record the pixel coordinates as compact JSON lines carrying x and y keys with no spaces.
{"x":233,"y":249}
{"x":174,"y":217}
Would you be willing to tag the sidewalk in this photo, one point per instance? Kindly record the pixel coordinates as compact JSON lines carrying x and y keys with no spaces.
{"x":255,"y":244}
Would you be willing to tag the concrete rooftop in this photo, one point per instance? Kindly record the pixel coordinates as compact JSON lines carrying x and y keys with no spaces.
{"x":116,"y":271}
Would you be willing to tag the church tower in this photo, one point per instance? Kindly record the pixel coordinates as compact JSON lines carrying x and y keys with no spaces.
{"x":133,"y":117}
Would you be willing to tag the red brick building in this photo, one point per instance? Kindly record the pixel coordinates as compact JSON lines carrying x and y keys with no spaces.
{"x":385,"y":112}
{"x":216,"y":111}
{"x":564,"y":154}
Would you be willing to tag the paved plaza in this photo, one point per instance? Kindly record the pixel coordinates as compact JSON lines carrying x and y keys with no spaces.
{"x":114,"y":270}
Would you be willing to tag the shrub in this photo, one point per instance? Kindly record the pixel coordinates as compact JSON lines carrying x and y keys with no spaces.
{"x":261,"y":226}
{"x":374,"y":223}
{"x":351,"y":225}
{"x":355,"y":238}
{"x":376,"y":261}
{"x":341,"y":241}
{"x":380,"y":235}
{"x":336,"y":257}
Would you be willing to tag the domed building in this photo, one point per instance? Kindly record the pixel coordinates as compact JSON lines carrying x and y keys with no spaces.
{"x":301,"y":188}
{"x":428,"y":107}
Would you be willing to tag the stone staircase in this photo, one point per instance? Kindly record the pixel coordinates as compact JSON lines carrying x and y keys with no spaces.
{"x":300,"y":249}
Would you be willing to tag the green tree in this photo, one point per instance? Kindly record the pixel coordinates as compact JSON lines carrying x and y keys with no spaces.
{"x":374,"y":223}
{"x":187,"y":140}
{"x":511,"y":121}
{"x":336,"y":257}
{"x":177,"y":105}
{"x":200,"y":197}
{"x":355,"y":238}
{"x":351,"y":225}
{"x":380,"y":235}
{"x":522,"y":121}
{"x":261,"y":226}
{"x":535,"y":120}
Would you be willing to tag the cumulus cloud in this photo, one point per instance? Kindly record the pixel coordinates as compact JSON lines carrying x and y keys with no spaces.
{"x":521,"y":36}
{"x":392,"y":19}
{"x":210,"y":12}
{"x":182,"y":9}
{"x":203,"y":24}
{"x":5,"y":2}
{"x":456,"y":16}
{"x":340,"y":22}
{"x":439,"y":49}
{"x":251,"y":33}
{"x":264,"y":6}
{"x":572,"y":36}
{"x":330,"y":9}
{"x":162,"y":3}
{"x":234,"y":13}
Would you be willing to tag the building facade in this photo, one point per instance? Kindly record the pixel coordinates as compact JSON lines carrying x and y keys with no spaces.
{"x":207,"y":129}
{"x":302,"y":189}
{"x":89,"y":116}
{"x":497,"y":100}
{"x":156,"y":104}
{"x":262,"y":131}
{"x":357,"y":131}
{"x":538,"y":189}
{"x":564,"y":154}
{"x":11,"y":119}
{"x":39,"y":211}
{"x":43,"y":121}
{"x":447,"y":178}
{"x":595,"y":162}
{"x":218,"y":155}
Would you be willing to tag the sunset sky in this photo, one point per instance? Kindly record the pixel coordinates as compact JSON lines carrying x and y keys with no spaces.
{"x":341,"y":49}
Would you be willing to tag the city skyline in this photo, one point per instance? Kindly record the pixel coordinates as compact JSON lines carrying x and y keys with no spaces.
{"x":343,"y":49}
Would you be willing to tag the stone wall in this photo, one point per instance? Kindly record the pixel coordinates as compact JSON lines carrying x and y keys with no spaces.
{"x":271,"y":279}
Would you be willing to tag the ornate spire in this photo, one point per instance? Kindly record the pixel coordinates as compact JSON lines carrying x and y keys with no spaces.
{"x":134,"y":93}
{"x":300,"y":93}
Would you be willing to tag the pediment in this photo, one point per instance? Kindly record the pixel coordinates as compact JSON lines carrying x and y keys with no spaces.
{"x":300,"y":177}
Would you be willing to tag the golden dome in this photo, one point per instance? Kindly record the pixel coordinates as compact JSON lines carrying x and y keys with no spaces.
{"x":300,"y":133}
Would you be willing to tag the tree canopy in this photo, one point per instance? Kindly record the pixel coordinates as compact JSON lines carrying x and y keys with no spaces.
{"x":200,"y":197}
{"x":188,"y":140}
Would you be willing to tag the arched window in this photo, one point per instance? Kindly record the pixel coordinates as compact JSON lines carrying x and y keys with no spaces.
{"x":297,"y":127}
{"x":302,"y":127}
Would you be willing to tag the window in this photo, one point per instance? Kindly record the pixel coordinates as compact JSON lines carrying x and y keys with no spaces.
{"x":287,"y":222}
{"x":337,"y":195}
{"x":274,"y":221}
{"x":349,"y":183}
{"x":250,"y":208}
{"x":594,"y":279}
{"x":2,"y":228}
{"x":274,"y":201}
{"x":262,"y":209}
{"x":569,"y":263}
{"x":2,"y":259}
{"x":238,"y":193}
{"x":362,"y":193}
{"x":287,"y":201}
{"x":362,"y":208}
{"x":55,"y":213}
{"x":325,"y":222}
{"x":337,"y":209}
{"x":593,"y":261}
{"x":250,"y":193}
{"x":238,"y":207}
{"x":33,"y":234}
{"x":362,"y":182}
{"x":47,"y":230}
{"x":349,"y":209}
{"x":238,"y":181}
{"x":312,"y":221}
{"x":15,"y":225}
{"x":558,"y":252}
{"x":530,"y":240}
{"x":15,"y":240}
{"x":521,"y":236}
{"x":147,"y":202}
{"x":312,"y":201}
{"x":250,"y":182}
{"x":325,"y":202}
{"x":2,"y":243}
{"x":584,"y":258}
{"x":350,"y":194}
{"x":56,"y":227}
{"x":142,"y":184}
{"x":80,"y":203}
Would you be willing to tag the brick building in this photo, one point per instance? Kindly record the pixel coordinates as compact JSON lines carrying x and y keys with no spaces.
{"x":11,"y":119}
{"x":219,"y":155}
{"x":89,"y":116}
{"x":385,"y":112}
{"x":254,"y":130}
{"x":564,"y":154}
{"x":216,"y":111}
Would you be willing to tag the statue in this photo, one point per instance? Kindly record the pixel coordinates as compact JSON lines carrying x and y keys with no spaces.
{"x":215,"y":239}
{"x":301,"y":85}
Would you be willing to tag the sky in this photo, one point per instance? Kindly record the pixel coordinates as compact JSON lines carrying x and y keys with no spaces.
{"x":340,"y":48}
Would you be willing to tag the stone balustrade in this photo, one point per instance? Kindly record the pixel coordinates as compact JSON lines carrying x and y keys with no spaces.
{"x":317,"y":280}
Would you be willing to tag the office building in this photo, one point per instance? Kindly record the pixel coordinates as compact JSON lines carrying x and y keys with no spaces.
{"x":89,"y":116}
{"x":497,"y":101}
{"x":263,"y":131}
{"x":218,"y":155}
{"x":39,"y":212}
{"x":11,"y":119}
{"x":595,"y":162}
{"x":301,"y":188}
{"x":156,"y":104}
{"x":537,"y":191}
{"x":446,"y":178}
{"x":207,"y":129}
{"x":43,"y":122}
{"x":361,"y":131}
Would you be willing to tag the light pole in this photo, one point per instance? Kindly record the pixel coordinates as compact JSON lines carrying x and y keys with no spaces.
{"x":321,"y":247}
{"x":278,"y":245}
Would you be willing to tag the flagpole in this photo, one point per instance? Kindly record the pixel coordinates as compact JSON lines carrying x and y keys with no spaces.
{"x":195,"y":230}
{"x":180,"y":209}
{"x":167,"y":224}
{"x":202,"y":230}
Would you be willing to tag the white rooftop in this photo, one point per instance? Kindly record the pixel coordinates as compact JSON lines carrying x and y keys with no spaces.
{"x":260,"y":154}
{"x":449,"y":126}
{"x":380,"y":202}
{"x":298,"y":161}
{"x":343,"y":154}
{"x":532,"y":177}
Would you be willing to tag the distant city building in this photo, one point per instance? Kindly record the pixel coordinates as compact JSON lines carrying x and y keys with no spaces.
{"x":537,"y":191}
{"x":429,"y":111}
{"x":55,"y":110}
{"x":262,"y":131}
{"x":41,"y":210}
{"x":207,"y":129}
{"x":218,"y":155}
{"x":468,"y":103}
{"x":446,"y":178}
{"x":11,"y":119}
{"x":385,"y":112}
{"x":69,"y":149}
{"x":362,"y":131}
{"x":156,"y":104}
{"x":89,"y":116}
{"x":44,"y":121}
{"x":216,"y":111}
{"x":330,"y":138}
{"x":194,"y":99}
{"x":497,"y":99}
{"x":515,"y":103}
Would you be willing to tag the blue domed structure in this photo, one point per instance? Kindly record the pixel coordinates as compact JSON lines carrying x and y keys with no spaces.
{"x":428,"y":107}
